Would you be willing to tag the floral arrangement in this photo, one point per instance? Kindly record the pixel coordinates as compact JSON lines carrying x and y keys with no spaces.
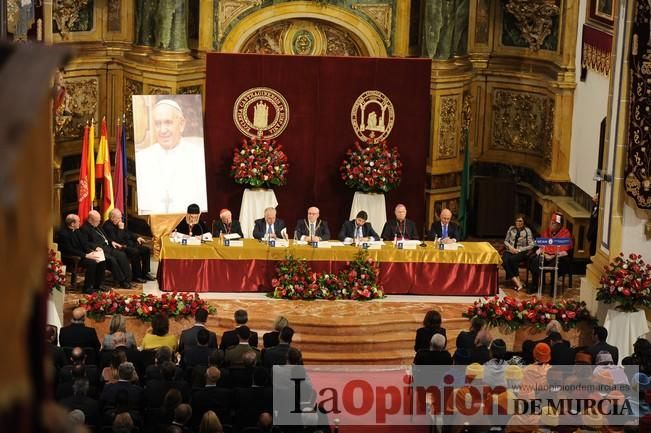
{"x":627,"y":280}
{"x":259,"y":163}
{"x":513,"y":313}
{"x":143,"y":306}
{"x":56,"y":275}
{"x":358,"y":281}
{"x":372,"y":167}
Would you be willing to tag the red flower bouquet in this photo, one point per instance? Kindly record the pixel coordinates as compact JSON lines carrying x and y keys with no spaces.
{"x":260,"y":164}
{"x":55,"y":277}
{"x":627,"y":280}
{"x":372,"y":167}
{"x":143,"y":306}
{"x":513,"y":313}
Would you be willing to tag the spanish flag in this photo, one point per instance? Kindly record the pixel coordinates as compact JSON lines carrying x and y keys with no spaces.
{"x":103,"y":171}
{"x":83,"y":193}
{"x":91,"y":165}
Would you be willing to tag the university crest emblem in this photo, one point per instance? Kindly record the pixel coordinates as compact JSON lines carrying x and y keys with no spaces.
{"x":261,"y":112}
{"x":372,"y":116}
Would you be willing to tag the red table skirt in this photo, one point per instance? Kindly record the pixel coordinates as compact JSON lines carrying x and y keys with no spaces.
{"x":198,"y":275}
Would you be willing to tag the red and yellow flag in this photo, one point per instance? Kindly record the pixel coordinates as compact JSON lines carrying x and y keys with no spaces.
{"x":103,"y":171}
{"x":83,"y":193}
{"x":91,"y":165}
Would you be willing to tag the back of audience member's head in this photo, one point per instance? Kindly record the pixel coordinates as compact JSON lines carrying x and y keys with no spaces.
{"x":244,"y":333}
{"x":498,"y":349}
{"x":80,"y":387}
{"x":122,"y":423}
{"x":280,"y":323}
{"x":249,"y":358}
{"x":286,"y":334}
{"x":203,"y":337}
{"x":260,"y":376}
{"x":160,"y":325}
{"x":241,"y":317}
{"x":119,"y":339}
{"x":77,"y":356}
{"x":437,"y":342}
{"x":126,"y":371}
{"x":582,"y":358}
{"x":432,"y":319}
{"x":216,"y":358}
{"x":483,"y":338}
{"x":476,"y":324}
{"x":553,"y":326}
{"x":163,"y":354}
{"x":78,"y":315}
{"x":78,"y":371}
{"x":201,"y":316}
{"x":462,"y":356}
{"x":527,"y":351}
{"x":210,"y":423}
{"x":51,"y":334}
{"x":168,"y":370}
{"x":555,"y":337}
{"x":182,"y":413}
{"x":294,"y":356}
{"x":600,"y":333}
{"x":172,"y":399}
{"x":212,"y":375}
{"x":118,"y":323}
{"x":117,"y":358}
{"x":76,"y":417}
{"x":265,"y":420}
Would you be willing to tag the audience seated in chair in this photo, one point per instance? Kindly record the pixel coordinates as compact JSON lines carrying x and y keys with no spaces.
{"x":599,"y":337}
{"x":270,"y":339}
{"x":210,"y":423}
{"x":212,"y":397}
{"x":80,"y":400}
{"x":199,"y":353}
{"x":277,"y":355}
{"x":435,"y":354}
{"x":189,"y":336}
{"x":118,"y":324}
{"x":76,"y":334}
{"x":159,"y":336}
{"x":230,"y":338}
{"x":519,"y":244}
{"x":234,"y":353}
{"x":431,"y":326}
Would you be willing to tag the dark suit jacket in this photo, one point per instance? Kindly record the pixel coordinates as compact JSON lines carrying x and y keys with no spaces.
{"x":217,"y":399}
{"x":391,"y":230}
{"x":321,"y":229}
{"x":349,"y":227}
{"x":92,"y":373}
{"x":270,"y":339}
{"x":249,"y":403}
{"x":596,"y":348}
{"x":196,"y":355}
{"x":72,"y":243}
{"x":424,"y":336}
{"x":89,"y":406}
{"x":437,"y":229}
{"x":260,"y":228}
{"x":433,"y":357}
{"x":466,"y":340}
{"x":111,"y":391}
{"x":230,"y":339}
{"x":189,"y":338}
{"x":233,"y":356}
{"x":133,"y":356}
{"x":197,"y":230}
{"x":480,"y":354}
{"x":219,"y":227}
{"x":115,"y":234}
{"x":562,"y":354}
{"x":276,"y":355}
{"x":155,"y":391}
{"x":78,"y":335}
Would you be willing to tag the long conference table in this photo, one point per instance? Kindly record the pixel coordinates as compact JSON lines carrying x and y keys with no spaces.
{"x":213,"y":267}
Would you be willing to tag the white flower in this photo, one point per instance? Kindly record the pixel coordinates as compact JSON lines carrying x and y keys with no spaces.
{"x":619,"y":289}
{"x":547,"y":316}
{"x":126,"y":301}
{"x":255,"y":170}
{"x":242,"y":152}
{"x":126,"y":309}
{"x":242,"y":164}
{"x":371,"y":164}
{"x":625,"y":267}
{"x":350,"y":176}
{"x":266,"y":177}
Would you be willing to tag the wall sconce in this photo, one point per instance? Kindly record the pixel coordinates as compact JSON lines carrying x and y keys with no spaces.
{"x":601,"y":175}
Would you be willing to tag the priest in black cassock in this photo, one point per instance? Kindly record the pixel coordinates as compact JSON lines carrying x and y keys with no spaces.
{"x":401,"y":227}
{"x":225,"y":225}
{"x":192,"y":225}
{"x":312,"y":229}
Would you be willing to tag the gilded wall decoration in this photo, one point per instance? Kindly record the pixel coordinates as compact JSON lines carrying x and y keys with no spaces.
{"x":482,"y":21}
{"x":448,"y":127}
{"x":159,"y":90}
{"x":131,"y":87}
{"x":81,"y":105}
{"x":529,"y":23}
{"x":114,"y":19}
{"x":380,"y":15}
{"x":522,"y":122}
{"x":228,"y":11}
{"x":73,"y":16}
{"x":190,"y":90}
{"x":302,"y":37}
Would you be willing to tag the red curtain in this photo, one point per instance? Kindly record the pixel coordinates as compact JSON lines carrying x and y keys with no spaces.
{"x":320,"y":92}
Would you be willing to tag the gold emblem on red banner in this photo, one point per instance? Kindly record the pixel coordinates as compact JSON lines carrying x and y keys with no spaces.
{"x":372,"y":116}
{"x":261,"y":112}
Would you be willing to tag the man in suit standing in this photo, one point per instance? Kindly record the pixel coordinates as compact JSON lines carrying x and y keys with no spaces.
{"x":77,"y":334}
{"x":189,"y":336}
{"x":358,"y":229}
{"x":230,"y":338}
{"x":599,"y":336}
{"x":445,"y":229}
{"x":132,"y":245}
{"x":277,"y":355}
{"x":400,"y":227}
{"x":312,"y":228}
{"x":269,"y":226}
{"x":226,"y":225}
{"x":73,"y":242}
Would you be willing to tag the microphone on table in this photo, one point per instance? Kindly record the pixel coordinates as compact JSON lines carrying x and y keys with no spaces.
{"x":425,"y":236}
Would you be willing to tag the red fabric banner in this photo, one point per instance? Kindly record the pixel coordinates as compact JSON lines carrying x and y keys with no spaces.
{"x":320,"y":92}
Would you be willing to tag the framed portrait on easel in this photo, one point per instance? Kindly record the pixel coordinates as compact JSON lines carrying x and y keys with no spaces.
{"x":601,"y":14}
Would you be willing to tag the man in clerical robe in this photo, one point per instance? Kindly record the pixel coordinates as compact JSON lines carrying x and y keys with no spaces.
{"x":400,"y":227}
{"x":312,"y":228}
{"x":192,"y":225}
{"x":225,"y":225}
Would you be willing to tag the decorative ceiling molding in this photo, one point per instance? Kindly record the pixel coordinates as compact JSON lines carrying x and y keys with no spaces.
{"x":66,"y":14}
{"x":380,"y":14}
{"x":229,"y":10}
{"x":534,"y":19}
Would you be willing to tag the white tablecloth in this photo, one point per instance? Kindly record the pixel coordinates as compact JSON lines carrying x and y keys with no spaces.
{"x":254,"y":202}
{"x":375,"y":207}
{"x":623,"y":329}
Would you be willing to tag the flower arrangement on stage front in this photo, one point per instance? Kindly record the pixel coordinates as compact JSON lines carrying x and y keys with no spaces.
{"x":627,"y":281}
{"x":56,"y":274}
{"x":259,"y":163}
{"x":513,"y":313}
{"x":372,"y":167}
{"x":358,"y":281}
{"x":143,"y":306}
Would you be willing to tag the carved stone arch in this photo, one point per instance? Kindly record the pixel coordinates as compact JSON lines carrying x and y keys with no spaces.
{"x":297,"y":23}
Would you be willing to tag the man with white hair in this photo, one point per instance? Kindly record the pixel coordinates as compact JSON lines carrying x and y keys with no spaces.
{"x":171,"y":172}
{"x":312,"y":228}
{"x":131,"y":244}
{"x":400,"y":227}
{"x":445,"y":229}
{"x":269,"y":226}
{"x":225,"y":225}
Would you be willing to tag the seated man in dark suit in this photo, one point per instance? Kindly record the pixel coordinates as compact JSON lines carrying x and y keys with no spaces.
{"x":269,"y":226}
{"x":192,"y":225}
{"x":400,"y":227}
{"x":226,"y":225}
{"x":73,"y":242}
{"x":230,"y":338}
{"x":189,"y":336}
{"x":252,"y":401}
{"x":212,"y":397}
{"x":599,"y":336}
{"x":77,"y":334}
{"x":78,"y":357}
{"x":234,"y":356}
{"x":358,"y":229}
{"x":135,"y":393}
{"x":312,"y":228}
{"x":131,"y":244}
{"x":445,"y":229}
{"x":199,"y":353}
{"x":436,"y":354}
{"x":80,"y":400}
{"x":277,"y":355}
{"x":271,"y":339}
{"x":117,"y":260}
